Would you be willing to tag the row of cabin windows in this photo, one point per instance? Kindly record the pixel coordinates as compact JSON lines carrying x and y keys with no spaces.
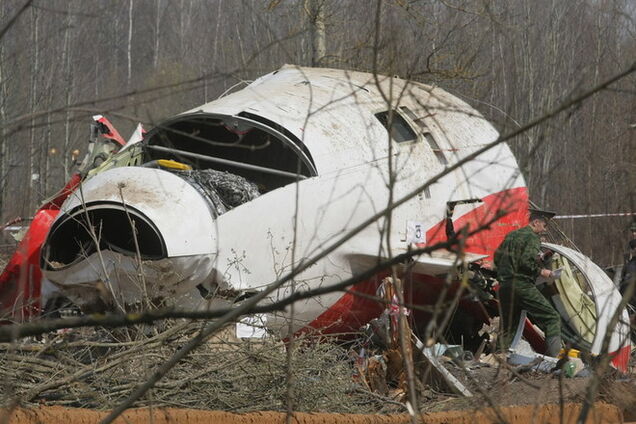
{"x":402,"y":132}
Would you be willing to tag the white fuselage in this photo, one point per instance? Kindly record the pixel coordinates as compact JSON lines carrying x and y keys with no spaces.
{"x":359,"y":171}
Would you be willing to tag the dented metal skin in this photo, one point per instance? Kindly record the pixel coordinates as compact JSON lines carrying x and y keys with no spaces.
{"x":348,"y":154}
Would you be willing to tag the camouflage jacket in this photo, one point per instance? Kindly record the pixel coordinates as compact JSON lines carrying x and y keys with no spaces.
{"x":516,"y":257}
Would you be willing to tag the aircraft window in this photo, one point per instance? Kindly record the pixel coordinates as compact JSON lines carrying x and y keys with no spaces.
{"x":426,"y":132}
{"x":400,"y":131}
{"x":282,"y":130}
{"x":438,"y":152}
{"x":222,"y":143}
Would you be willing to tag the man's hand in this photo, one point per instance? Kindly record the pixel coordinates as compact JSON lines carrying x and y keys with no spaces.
{"x":551,"y":275}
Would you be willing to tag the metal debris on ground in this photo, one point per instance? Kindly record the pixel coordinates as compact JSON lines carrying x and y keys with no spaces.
{"x":384,"y":369}
{"x":525,"y":358}
{"x":439,"y":372}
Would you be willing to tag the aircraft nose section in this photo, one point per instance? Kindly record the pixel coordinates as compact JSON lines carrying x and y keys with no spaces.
{"x":143,"y":232}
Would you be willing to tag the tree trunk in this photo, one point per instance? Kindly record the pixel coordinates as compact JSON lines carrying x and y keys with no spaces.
{"x":155,"y":58}
{"x":317,"y":27}
{"x":47,"y":154}
{"x":34,"y":82}
{"x":130,"y":22}
{"x":3,"y":147}
{"x":66,"y":59}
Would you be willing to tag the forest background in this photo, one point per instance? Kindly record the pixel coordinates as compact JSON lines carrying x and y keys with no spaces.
{"x":62,"y":61}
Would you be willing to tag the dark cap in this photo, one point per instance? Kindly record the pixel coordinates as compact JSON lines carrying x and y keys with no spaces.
{"x":540,"y":214}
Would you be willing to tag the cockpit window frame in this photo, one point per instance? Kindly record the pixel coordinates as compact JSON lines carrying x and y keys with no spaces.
{"x":424,"y":132}
{"x":382,"y":117}
{"x":295,"y":145}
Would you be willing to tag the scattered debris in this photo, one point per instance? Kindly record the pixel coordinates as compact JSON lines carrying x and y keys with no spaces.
{"x":522,"y":355}
{"x":437,"y":368}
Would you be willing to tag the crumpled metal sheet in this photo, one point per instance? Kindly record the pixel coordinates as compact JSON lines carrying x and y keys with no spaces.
{"x":223,"y":190}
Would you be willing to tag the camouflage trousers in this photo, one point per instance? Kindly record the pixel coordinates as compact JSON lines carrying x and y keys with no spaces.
{"x":517,"y":296}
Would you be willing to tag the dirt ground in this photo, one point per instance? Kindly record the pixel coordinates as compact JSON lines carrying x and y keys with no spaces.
{"x":500,"y":387}
{"x":602,"y":413}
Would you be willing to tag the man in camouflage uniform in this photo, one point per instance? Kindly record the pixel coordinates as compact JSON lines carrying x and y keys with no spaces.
{"x":517,"y":262}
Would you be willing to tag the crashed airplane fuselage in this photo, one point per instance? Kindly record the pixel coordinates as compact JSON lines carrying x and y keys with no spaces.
{"x":315,"y":144}
{"x":214,"y":204}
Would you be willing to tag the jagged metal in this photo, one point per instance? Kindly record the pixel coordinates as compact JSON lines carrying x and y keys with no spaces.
{"x":223,"y":190}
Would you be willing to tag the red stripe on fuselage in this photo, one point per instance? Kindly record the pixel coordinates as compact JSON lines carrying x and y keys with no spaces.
{"x":512,"y":203}
{"x":354,"y":309}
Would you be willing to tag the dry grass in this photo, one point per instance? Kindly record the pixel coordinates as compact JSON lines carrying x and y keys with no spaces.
{"x":100,"y":368}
